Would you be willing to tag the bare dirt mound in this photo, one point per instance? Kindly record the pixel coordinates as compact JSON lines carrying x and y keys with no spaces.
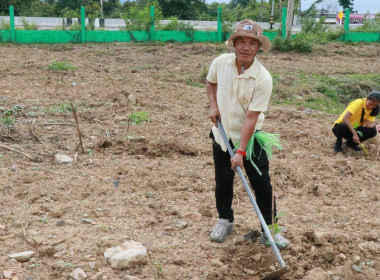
{"x":152,"y":182}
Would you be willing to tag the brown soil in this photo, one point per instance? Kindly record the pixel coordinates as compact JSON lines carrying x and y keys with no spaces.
{"x":138,"y":181}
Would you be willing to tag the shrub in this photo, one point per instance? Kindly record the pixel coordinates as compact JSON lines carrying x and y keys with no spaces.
{"x":28,"y":26}
{"x":137,"y":19}
{"x":302,"y":44}
{"x":299,"y":43}
{"x":5,"y":25}
{"x":176,"y":25}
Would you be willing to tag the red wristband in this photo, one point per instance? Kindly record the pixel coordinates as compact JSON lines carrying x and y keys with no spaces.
{"x":241,"y":152}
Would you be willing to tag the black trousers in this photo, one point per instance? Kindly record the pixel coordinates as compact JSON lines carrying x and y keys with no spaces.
{"x":341,"y":131}
{"x":224,"y":178}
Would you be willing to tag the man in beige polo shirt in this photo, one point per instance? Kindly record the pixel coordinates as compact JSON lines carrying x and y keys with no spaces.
{"x":239,"y":89}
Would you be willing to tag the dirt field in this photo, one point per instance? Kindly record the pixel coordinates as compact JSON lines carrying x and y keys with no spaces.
{"x":153,"y":182}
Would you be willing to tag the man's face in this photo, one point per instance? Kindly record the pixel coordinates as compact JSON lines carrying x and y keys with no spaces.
{"x":246,"y":49}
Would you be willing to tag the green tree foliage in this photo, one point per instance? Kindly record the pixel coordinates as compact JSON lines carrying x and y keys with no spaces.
{"x":41,"y":9}
{"x":346,"y":4}
{"x":112,"y":8}
{"x":21,"y":7}
{"x":137,"y":18}
{"x":235,"y":3}
{"x":183,"y":9}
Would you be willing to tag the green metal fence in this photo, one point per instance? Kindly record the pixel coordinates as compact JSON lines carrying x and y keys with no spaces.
{"x":83,"y":36}
{"x":100,"y":36}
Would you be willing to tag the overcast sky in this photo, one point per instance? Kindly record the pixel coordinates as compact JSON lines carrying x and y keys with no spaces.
{"x":362,"y":6}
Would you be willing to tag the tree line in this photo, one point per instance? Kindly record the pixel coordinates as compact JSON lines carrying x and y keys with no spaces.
{"x":235,"y":10}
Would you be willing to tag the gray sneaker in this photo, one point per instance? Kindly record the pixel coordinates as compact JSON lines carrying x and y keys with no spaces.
{"x":221,"y":230}
{"x":280,"y":241}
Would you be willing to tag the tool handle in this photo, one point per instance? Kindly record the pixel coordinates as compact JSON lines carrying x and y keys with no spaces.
{"x":251,"y":198}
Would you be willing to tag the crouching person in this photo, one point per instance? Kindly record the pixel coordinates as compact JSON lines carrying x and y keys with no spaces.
{"x":358,"y":122}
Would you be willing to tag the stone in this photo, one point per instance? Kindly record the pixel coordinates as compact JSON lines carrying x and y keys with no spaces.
{"x":129,"y":277}
{"x":249,"y":271}
{"x":216,"y":263}
{"x":56,"y":212}
{"x":7,"y":274}
{"x":321,"y":237}
{"x":317,"y":274}
{"x":130,"y":253}
{"x":22,"y":256}
{"x":257,"y":257}
{"x":60,"y":159}
{"x":181,"y":224}
{"x":93,"y":265}
{"x":97,"y":276}
{"x":33,"y":197}
{"x":328,"y":255}
{"x":58,"y":266}
{"x":78,"y":274}
{"x":46,"y":251}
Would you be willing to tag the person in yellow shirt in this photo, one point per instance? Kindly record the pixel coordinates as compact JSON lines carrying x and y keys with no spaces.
{"x":357,"y":123}
{"x":239,"y":89}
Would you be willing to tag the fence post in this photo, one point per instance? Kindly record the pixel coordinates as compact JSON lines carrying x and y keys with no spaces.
{"x":347,"y":20}
{"x":152,"y":23}
{"x":12,"y":23}
{"x":83,"y":23}
{"x":220,"y":31}
{"x":284,"y":12}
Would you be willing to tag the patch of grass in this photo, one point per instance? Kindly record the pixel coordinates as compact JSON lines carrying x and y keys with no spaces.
{"x":27,"y":25}
{"x":64,"y":107}
{"x":330,"y":94}
{"x":6,"y":119}
{"x":7,"y":116}
{"x":203,"y":75}
{"x":144,"y":67}
{"x":5,"y":25}
{"x":193,"y":82}
{"x":138,"y":117}
{"x":60,"y":66}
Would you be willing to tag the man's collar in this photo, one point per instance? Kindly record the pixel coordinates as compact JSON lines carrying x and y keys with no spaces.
{"x":252,"y":71}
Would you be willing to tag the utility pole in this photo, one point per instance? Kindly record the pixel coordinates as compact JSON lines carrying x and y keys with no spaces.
{"x":289,"y":18}
{"x":271,"y":16}
{"x":101,"y":8}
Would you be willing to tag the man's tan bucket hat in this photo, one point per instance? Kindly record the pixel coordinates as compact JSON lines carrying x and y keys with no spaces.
{"x":249,"y":28}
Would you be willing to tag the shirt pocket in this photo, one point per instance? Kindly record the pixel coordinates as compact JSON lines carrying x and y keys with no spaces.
{"x":245,"y":98}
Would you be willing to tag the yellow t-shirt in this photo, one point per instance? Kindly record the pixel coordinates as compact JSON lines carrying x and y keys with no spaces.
{"x":355,"y":108}
{"x":238,"y":93}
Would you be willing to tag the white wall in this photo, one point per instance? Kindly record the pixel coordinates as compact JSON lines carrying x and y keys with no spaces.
{"x":112,"y":24}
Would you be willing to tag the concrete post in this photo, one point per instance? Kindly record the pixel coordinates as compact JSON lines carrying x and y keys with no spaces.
{"x":12,"y":23}
{"x":347,"y":20}
{"x":289,"y":18}
{"x":152,"y":23}
{"x":284,"y":11}
{"x":83,"y":23}
{"x":220,"y":31}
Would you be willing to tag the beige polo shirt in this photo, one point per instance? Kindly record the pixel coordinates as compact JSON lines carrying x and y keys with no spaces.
{"x":238,"y":93}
